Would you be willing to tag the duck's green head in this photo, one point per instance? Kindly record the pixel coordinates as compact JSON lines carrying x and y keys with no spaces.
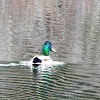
{"x":47,"y":47}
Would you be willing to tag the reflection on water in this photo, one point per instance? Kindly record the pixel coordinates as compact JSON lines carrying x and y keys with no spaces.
{"x":59,"y":83}
{"x":73,"y":28}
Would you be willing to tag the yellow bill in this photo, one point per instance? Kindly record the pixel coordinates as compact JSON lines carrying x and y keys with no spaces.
{"x":53,"y":50}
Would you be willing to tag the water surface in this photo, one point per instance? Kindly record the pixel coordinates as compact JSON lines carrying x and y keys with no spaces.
{"x":70,"y":81}
{"x":72,"y":26}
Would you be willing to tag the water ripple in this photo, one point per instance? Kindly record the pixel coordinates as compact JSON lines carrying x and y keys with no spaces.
{"x":68,"y":81}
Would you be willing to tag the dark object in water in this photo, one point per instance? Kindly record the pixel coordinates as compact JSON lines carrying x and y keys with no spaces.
{"x":36,"y":62}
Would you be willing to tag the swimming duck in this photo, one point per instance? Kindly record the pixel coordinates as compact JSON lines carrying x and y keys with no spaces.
{"x":44,"y":59}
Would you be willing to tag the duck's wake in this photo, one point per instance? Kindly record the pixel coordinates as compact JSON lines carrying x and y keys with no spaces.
{"x":20,"y":63}
{"x":29,"y":63}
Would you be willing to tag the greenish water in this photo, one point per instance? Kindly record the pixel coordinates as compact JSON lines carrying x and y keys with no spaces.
{"x":69,"y":81}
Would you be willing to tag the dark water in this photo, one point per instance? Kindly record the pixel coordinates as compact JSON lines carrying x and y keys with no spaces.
{"x":70,"y":81}
{"x":73,"y":27}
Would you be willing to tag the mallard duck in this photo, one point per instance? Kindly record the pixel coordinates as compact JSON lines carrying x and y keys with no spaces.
{"x":44,"y":59}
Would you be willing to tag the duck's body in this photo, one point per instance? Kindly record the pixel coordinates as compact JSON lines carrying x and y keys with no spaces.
{"x":41,"y":60}
{"x":44,"y":59}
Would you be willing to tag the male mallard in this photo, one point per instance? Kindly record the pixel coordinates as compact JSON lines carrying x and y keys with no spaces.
{"x":45,"y":58}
